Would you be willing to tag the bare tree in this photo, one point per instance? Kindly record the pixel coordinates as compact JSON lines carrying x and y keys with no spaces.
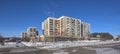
{"x":1,"y":40}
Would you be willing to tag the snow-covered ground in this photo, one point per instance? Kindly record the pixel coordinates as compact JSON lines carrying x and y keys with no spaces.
{"x":11,"y":44}
{"x":60,"y":44}
{"x":65,"y":44}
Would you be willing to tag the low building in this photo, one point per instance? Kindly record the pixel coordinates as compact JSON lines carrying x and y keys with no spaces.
{"x":40,"y":38}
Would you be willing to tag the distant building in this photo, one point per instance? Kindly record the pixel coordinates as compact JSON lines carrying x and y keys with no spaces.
{"x":32,"y":32}
{"x":30,"y":35}
{"x":85,"y":30}
{"x":101,"y":36}
{"x":64,"y":28}
{"x":24,"y":36}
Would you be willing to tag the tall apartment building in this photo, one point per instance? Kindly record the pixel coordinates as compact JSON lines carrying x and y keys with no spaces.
{"x":31,"y":34}
{"x":64,"y":28}
{"x":24,"y":36}
{"x":85,"y":30}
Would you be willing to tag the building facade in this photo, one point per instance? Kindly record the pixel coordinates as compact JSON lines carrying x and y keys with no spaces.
{"x":24,"y":36}
{"x":32,"y":32}
{"x":64,"y":28}
{"x":30,"y":35}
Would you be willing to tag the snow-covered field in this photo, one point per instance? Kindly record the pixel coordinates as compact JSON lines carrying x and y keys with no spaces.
{"x":65,"y":44}
{"x":11,"y":44}
{"x":60,"y":44}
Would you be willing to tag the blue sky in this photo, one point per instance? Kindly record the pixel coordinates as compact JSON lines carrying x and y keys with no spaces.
{"x":17,"y":15}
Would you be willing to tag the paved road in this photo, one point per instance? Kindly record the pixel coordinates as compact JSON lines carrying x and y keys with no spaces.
{"x":32,"y":50}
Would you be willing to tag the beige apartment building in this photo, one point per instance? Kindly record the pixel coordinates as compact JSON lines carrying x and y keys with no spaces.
{"x":64,"y":28}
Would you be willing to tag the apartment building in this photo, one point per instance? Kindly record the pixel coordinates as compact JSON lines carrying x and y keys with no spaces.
{"x":85,"y":30}
{"x":24,"y":36}
{"x":32,"y":32}
{"x":64,"y":28}
{"x":30,"y":35}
